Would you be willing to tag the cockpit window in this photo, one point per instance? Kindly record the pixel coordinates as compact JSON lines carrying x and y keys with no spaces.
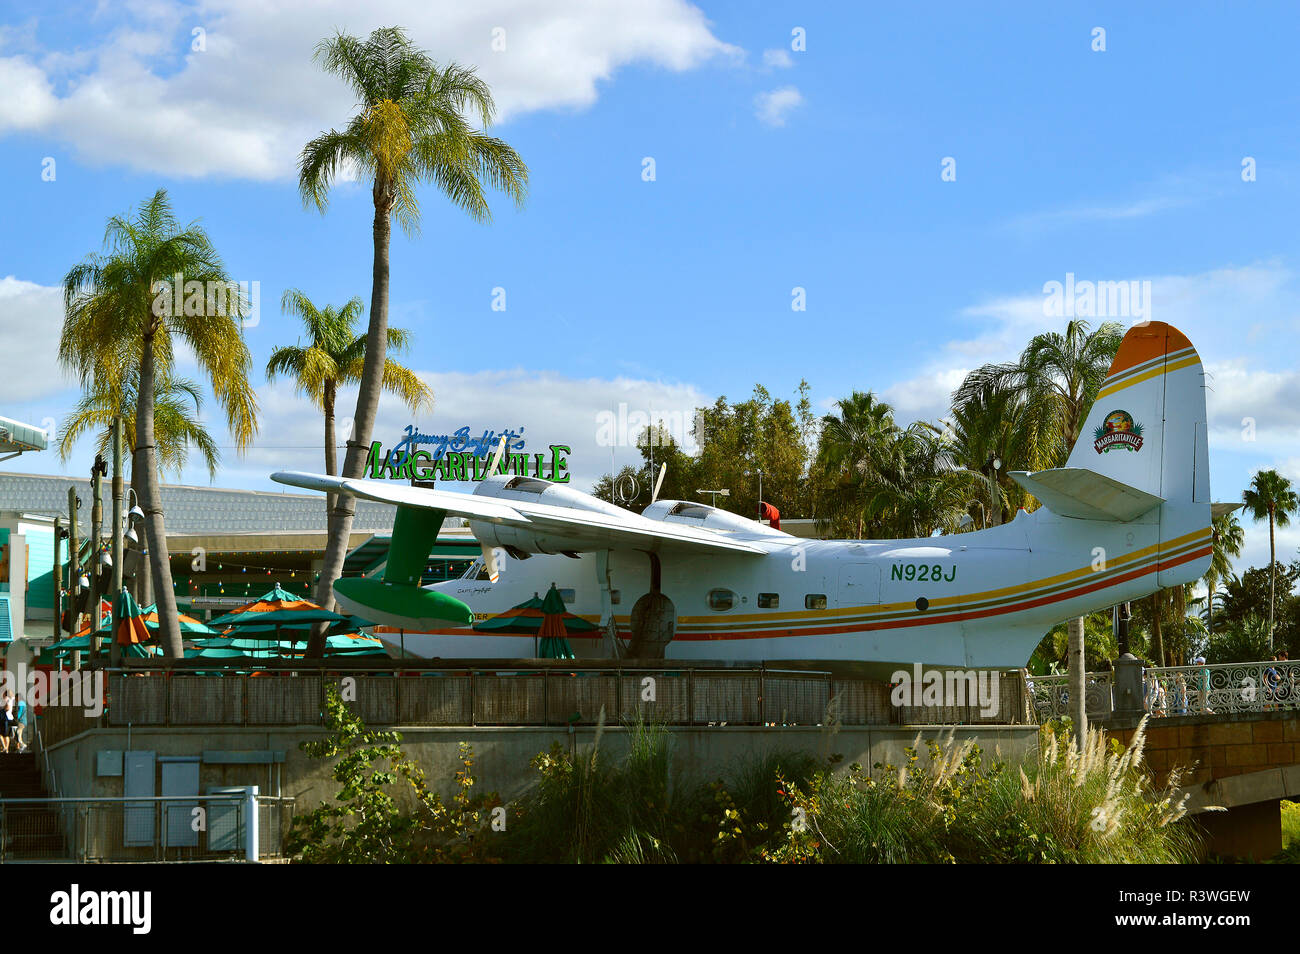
{"x":528,"y":484}
{"x":477,"y":571}
{"x":689,"y":510}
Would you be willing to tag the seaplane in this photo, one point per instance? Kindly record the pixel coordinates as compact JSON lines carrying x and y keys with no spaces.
{"x":1128,"y":514}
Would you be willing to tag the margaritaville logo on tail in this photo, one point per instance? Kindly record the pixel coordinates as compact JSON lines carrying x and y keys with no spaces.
{"x":1118,"y":430}
{"x":460,"y":456}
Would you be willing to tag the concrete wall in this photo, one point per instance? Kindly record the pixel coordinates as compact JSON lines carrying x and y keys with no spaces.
{"x":502,"y":754}
{"x":1209,"y":748}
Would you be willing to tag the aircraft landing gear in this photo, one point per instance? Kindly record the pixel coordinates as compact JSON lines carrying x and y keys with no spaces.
{"x":654,"y":619}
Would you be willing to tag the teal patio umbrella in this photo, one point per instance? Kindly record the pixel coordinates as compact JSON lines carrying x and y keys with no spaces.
{"x":278,"y":607}
{"x":530,"y":616}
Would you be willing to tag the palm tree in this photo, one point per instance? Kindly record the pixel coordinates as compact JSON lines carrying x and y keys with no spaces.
{"x":852,"y":444}
{"x":1059,"y":376}
{"x":1228,"y":538}
{"x":177,"y":427}
{"x":336,"y":355}
{"x":121,"y":322}
{"x":1271,"y":496}
{"x":411,"y":128}
{"x":992,"y":420}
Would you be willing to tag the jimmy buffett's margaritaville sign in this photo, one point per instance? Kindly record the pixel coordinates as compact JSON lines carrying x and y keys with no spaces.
{"x":461,"y":456}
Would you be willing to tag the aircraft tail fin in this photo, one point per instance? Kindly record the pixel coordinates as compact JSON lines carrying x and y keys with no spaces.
{"x":1142,"y":453}
{"x":1146,"y":429}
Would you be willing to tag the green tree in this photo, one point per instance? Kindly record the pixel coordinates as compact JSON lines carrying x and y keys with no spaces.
{"x":1271,"y":497}
{"x":882,"y":480}
{"x":740,"y":440}
{"x":123,"y":317}
{"x":1100,"y":646}
{"x":1228,"y":538}
{"x":335,"y":355}
{"x":853,"y":443}
{"x":177,"y":427}
{"x":365,"y":824}
{"x":991,"y":420}
{"x":414,"y":126}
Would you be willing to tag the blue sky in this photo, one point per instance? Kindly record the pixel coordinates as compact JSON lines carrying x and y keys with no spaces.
{"x":775,"y":168}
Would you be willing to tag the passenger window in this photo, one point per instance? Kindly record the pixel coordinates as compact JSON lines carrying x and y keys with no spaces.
{"x":568,"y":596}
{"x":768,"y":600}
{"x":721,"y":599}
{"x":815,"y":601}
{"x":615,"y":597}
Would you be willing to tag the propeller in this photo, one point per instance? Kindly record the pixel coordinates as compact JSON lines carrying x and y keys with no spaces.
{"x":659,"y":482}
{"x":491,"y":555}
{"x":492,"y":561}
{"x":497,"y":454}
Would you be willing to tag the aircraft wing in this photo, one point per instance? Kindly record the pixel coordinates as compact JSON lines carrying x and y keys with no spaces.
{"x":593,"y":529}
{"x":1078,"y":492}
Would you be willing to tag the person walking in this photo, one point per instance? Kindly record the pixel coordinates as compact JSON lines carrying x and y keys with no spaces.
{"x":19,"y":726}
{"x":6,"y":720}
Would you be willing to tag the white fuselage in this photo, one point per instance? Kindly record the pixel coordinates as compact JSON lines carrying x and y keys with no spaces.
{"x":981,"y":599}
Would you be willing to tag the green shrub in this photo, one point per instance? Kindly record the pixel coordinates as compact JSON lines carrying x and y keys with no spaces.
{"x":364,"y":825}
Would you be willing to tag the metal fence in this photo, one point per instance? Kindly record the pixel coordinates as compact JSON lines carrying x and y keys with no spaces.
{"x":458,"y":697}
{"x":145,"y":828}
{"x":1050,"y":696}
{"x":1220,"y":689}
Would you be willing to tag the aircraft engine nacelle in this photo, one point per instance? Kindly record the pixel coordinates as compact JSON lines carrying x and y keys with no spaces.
{"x":534,"y":490}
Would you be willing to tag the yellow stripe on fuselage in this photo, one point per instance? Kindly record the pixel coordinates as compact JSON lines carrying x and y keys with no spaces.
{"x":999,"y":594}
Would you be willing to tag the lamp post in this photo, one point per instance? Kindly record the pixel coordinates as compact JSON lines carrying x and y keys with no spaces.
{"x":97,"y":472}
{"x":74,"y":561}
{"x":992,"y":468}
{"x":760,"y":491}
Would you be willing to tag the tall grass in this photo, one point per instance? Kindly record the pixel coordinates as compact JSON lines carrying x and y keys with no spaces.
{"x":1091,"y":805}
{"x":588,"y":807}
{"x":947,"y":803}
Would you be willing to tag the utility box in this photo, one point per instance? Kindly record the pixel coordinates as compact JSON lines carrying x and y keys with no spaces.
{"x":229,"y":828}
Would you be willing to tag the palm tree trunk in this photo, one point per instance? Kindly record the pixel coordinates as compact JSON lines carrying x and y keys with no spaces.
{"x":1076,"y":665}
{"x":372,"y":374}
{"x":1209,"y":626}
{"x":1156,"y":609}
{"x":1272,"y":577}
{"x":331,"y":451}
{"x":145,"y":469}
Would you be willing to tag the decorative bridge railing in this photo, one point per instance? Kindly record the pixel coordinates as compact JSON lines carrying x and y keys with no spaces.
{"x":1179,"y":690}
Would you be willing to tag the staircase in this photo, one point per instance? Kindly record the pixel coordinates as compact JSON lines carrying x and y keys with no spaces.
{"x":31,"y":830}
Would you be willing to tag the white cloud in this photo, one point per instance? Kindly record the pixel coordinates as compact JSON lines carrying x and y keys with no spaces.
{"x":31,"y":318}
{"x":245,"y":104}
{"x":1100,"y":212}
{"x":778,"y":59}
{"x":774,"y":107}
{"x":551,"y":408}
{"x":1251,"y":372}
{"x":28,"y":102}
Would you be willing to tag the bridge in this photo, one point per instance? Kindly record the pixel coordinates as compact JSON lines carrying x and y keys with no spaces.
{"x":1228,"y":735}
